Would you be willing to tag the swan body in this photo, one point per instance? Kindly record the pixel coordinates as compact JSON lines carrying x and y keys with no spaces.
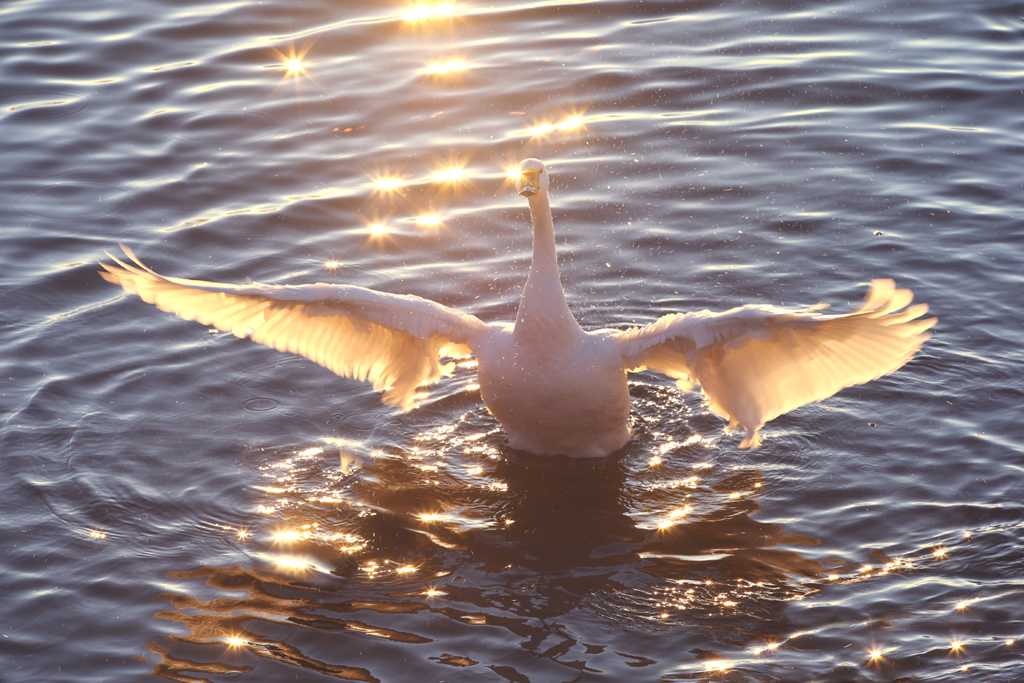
{"x":555,"y":388}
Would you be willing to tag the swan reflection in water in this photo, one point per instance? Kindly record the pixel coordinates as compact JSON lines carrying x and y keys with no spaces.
{"x":441,"y":567}
{"x":555,"y":388}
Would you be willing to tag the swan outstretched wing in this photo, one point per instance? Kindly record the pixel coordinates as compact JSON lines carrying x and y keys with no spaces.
{"x":755,"y":363}
{"x":393,"y":341}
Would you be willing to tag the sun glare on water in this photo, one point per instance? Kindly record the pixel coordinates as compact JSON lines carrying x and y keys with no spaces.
{"x":420,"y":12}
{"x":388,"y":183}
{"x":449,"y":175}
{"x":235,"y":641}
{"x":448,"y":67}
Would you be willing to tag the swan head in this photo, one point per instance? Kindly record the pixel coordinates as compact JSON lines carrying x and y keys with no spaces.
{"x":533,"y":178}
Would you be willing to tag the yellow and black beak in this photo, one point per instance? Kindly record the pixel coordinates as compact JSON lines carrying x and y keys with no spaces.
{"x":529,"y":182}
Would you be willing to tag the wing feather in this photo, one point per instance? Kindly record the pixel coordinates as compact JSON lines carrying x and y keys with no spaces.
{"x":755,"y":363}
{"x":395,"y":342}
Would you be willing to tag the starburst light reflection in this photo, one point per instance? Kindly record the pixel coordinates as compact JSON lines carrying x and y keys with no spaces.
{"x":680,"y":512}
{"x":452,"y":66}
{"x":293,"y":62}
{"x":235,"y":641}
{"x":293,"y":564}
{"x":430,"y":517}
{"x":289,"y":536}
{"x":450,"y":175}
{"x":388,"y":183}
{"x":421,"y":12}
{"x":429,"y":221}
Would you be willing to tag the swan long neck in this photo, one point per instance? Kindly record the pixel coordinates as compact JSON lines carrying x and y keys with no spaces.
{"x":543,"y":313}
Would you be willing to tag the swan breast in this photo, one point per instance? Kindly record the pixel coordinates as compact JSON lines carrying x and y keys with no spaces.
{"x":565,"y":399}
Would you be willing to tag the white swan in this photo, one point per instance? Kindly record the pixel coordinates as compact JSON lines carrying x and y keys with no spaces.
{"x":554,"y":387}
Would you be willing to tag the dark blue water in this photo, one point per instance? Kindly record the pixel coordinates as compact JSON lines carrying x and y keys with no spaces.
{"x":182,"y":504}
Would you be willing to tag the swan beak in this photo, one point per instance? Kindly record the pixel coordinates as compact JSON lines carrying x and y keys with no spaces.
{"x":528,"y":182}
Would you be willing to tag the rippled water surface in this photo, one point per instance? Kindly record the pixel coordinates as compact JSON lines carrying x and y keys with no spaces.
{"x":184,"y":505}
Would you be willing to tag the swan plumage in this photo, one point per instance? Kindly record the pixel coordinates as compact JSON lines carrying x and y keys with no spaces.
{"x":554,"y":387}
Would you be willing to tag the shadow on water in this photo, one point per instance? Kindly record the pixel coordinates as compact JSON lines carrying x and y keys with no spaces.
{"x":456,"y":541}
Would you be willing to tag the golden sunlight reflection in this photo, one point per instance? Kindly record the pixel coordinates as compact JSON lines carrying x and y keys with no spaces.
{"x":448,"y":67}
{"x":235,"y":641}
{"x":939,"y":552}
{"x":290,"y":536}
{"x":450,"y":175}
{"x":293,"y":564}
{"x":572,"y":123}
{"x":768,"y":647}
{"x":680,"y":512}
{"x":420,"y":12}
{"x":293,"y":62}
{"x":513,"y":172}
{"x":431,"y":517}
{"x":717,"y":667}
{"x":96,"y":533}
{"x":378,"y":229}
{"x":332,"y":265}
{"x":388,"y":183}
{"x":569,"y":124}
{"x":428,"y":221}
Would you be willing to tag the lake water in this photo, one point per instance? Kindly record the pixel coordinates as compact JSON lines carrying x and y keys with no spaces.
{"x":181,"y":504}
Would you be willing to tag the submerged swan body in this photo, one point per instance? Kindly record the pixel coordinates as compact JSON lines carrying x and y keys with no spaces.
{"x":555,"y":388}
